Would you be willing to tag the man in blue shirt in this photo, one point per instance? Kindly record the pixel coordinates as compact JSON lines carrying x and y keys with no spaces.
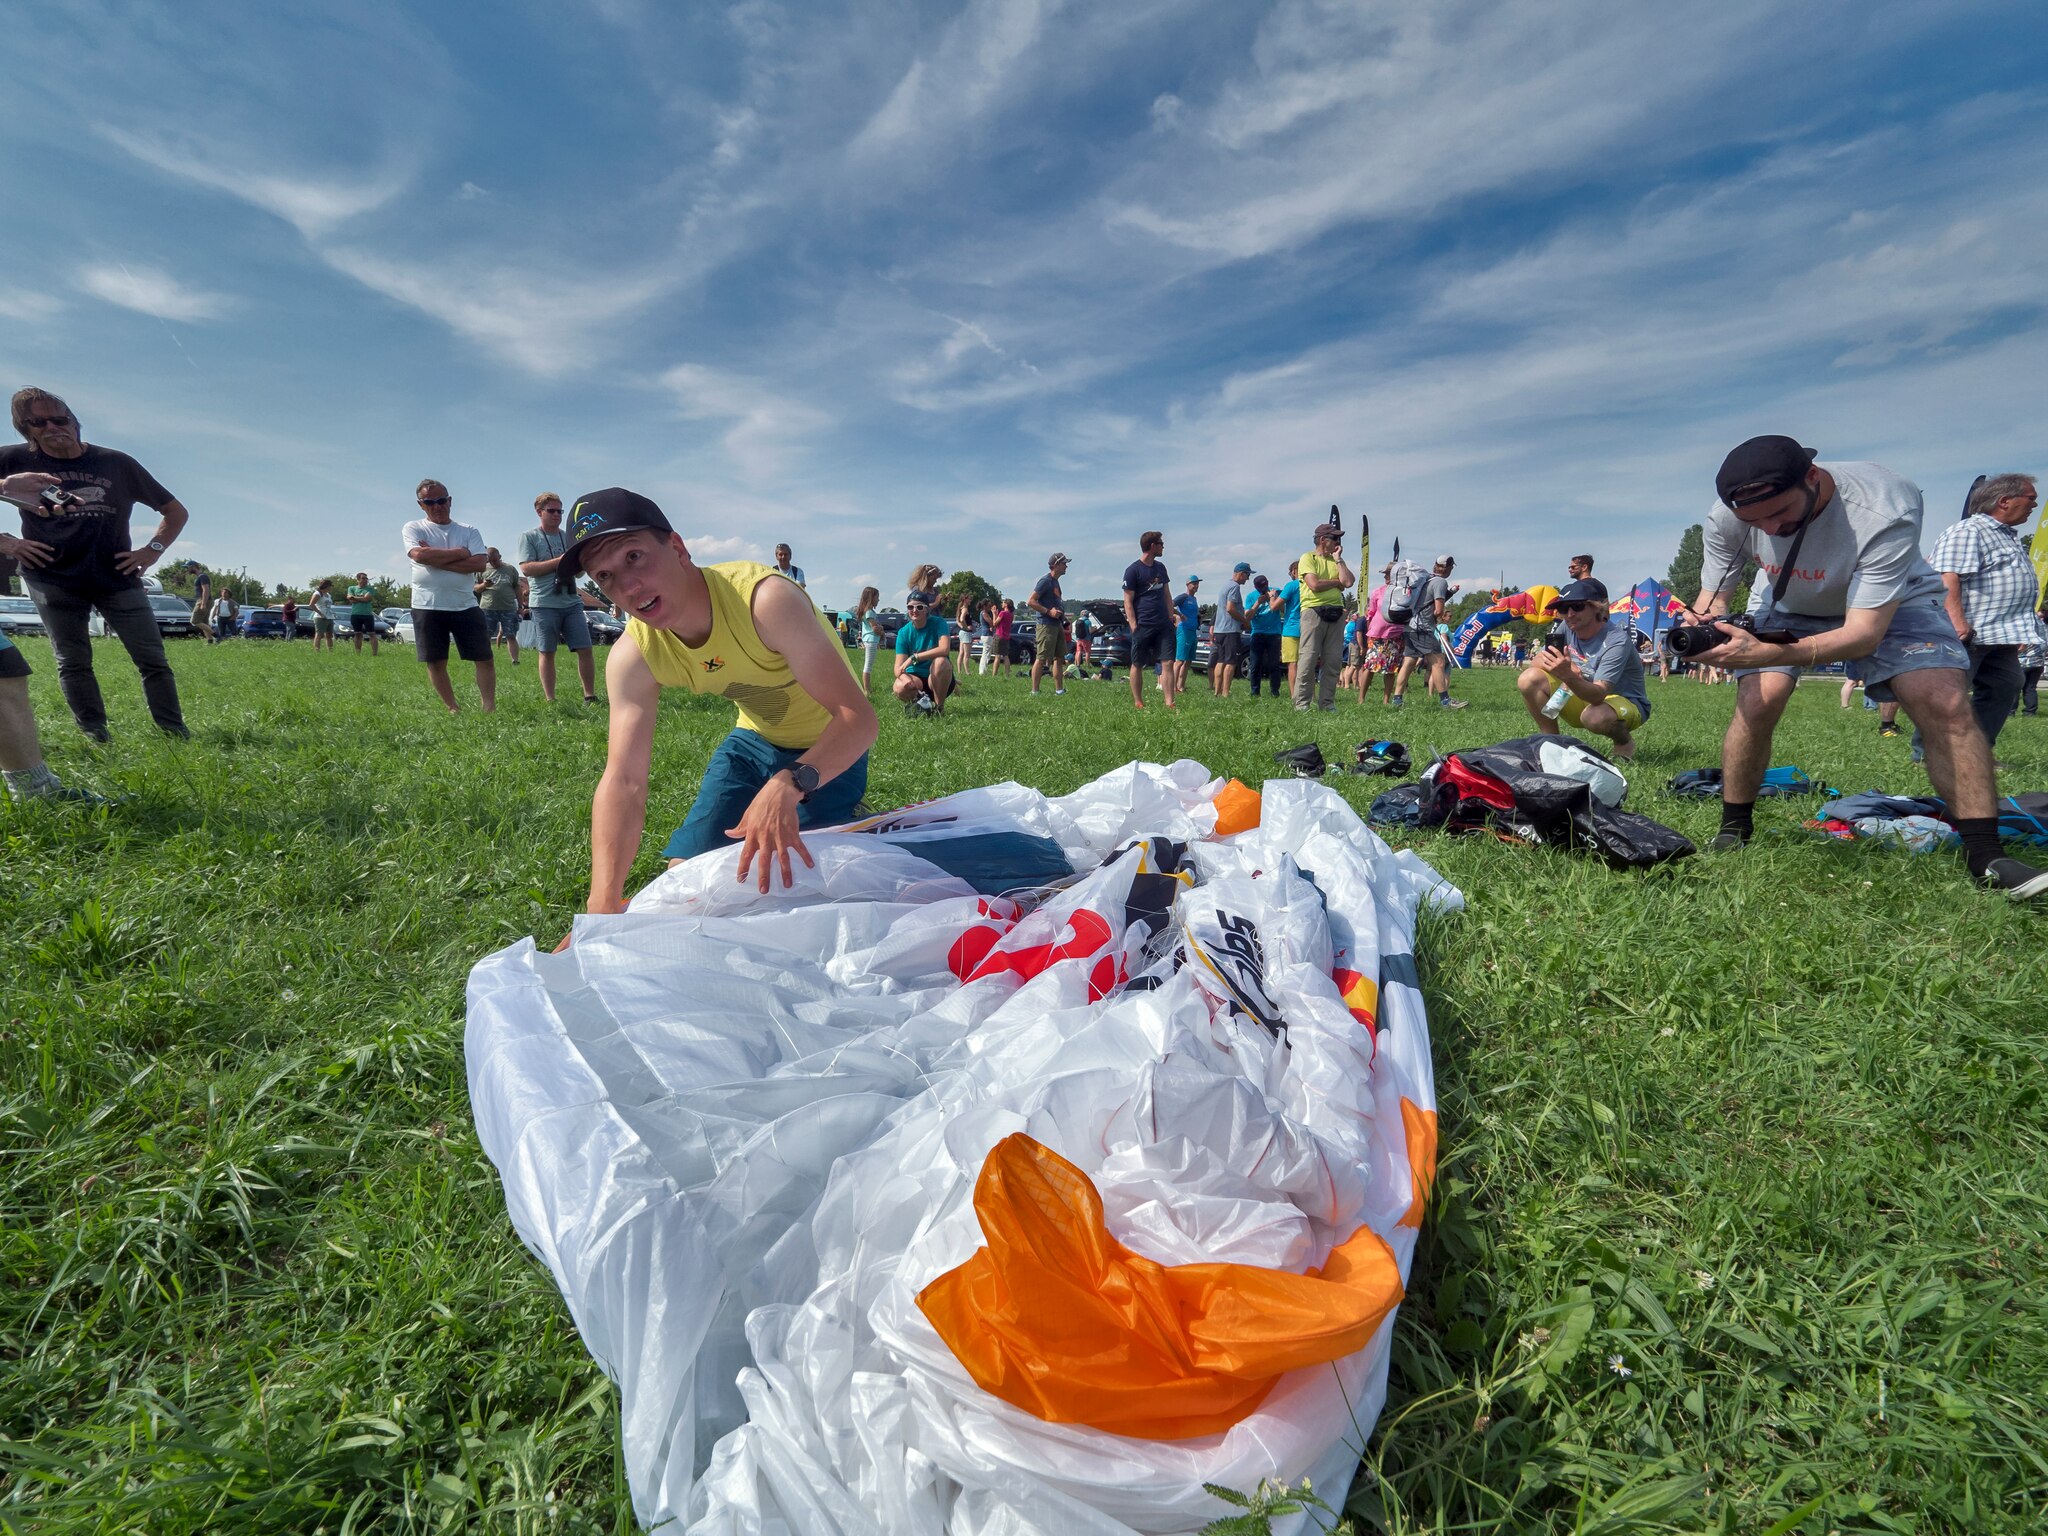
{"x":924,"y":667}
{"x":1150,"y":617}
{"x":1187,"y":610}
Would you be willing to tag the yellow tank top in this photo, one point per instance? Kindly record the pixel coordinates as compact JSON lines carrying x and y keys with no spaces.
{"x":735,"y":663}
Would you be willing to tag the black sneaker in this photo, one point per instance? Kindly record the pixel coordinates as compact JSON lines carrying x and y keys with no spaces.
{"x":2019,"y":880}
{"x":1727,"y":842}
{"x":1888,"y":730}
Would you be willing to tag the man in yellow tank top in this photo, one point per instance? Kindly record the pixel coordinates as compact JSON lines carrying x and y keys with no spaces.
{"x":798,"y":756}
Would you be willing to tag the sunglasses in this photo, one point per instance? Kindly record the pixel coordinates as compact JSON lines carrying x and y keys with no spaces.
{"x":46,"y":421}
{"x":439,"y":501}
{"x":1756,"y":491}
{"x":1569,"y":607}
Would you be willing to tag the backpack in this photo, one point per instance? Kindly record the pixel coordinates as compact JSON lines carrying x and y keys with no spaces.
{"x":1402,"y":580}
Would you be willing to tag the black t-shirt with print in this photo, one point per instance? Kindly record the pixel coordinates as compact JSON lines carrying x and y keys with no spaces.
{"x":1147,"y":586}
{"x":89,"y":535}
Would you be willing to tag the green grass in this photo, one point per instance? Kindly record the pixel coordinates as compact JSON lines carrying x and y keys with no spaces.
{"x":1767,"y":1131}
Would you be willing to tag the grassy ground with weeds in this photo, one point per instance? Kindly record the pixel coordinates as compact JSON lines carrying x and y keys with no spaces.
{"x":1739,"y":1226}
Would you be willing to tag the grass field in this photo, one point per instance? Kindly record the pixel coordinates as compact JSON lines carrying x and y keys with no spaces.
{"x":1740,"y":1226}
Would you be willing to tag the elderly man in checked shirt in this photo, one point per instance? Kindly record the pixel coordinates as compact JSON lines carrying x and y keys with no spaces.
{"x":1991,"y":593}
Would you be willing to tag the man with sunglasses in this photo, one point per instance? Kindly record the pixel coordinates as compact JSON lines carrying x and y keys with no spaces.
{"x":446,"y":558}
{"x":1838,"y":546}
{"x":556,"y":605}
{"x":1598,"y":665}
{"x":76,"y":556}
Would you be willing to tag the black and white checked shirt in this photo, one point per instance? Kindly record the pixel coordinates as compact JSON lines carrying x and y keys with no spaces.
{"x":1999,"y":588}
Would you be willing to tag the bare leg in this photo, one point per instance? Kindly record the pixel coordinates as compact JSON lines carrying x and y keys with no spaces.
{"x":487,"y":685}
{"x":586,"y":672}
{"x":545,"y":666}
{"x":1536,"y":686}
{"x":1958,"y":756}
{"x":20,"y":747}
{"x":1760,"y":699}
{"x":437,"y":674}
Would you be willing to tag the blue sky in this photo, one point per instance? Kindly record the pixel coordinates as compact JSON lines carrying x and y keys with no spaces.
{"x":977,"y":281}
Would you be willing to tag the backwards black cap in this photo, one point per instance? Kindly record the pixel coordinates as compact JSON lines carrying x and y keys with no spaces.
{"x":1760,"y":468}
{"x":599,"y":515}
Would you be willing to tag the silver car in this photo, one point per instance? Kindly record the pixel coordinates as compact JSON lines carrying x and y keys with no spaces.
{"x":18,"y":616}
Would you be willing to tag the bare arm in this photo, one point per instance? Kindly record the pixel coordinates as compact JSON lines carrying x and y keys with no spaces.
{"x":618,"y":811}
{"x":444,"y":559}
{"x":1861,"y":629}
{"x":171,"y":520}
{"x":789,"y":624}
{"x":1952,"y":600}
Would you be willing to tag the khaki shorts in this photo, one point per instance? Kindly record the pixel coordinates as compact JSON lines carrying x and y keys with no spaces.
{"x":1051,"y":640}
{"x":1290,"y":648}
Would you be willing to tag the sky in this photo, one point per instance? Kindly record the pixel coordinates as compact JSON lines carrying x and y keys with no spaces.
{"x":976,"y":282}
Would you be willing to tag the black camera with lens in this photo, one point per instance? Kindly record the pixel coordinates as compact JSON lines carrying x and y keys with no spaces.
{"x":1691,"y":639}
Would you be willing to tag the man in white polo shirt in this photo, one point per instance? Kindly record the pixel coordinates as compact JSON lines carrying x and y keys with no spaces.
{"x":446,"y":557}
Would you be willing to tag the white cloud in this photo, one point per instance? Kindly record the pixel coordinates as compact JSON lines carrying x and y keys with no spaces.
{"x":310,"y":204}
{"x":767,"y":429}
{"x":28,"y":306}
{"x":150,"y":291}
{"x":943,"y":93}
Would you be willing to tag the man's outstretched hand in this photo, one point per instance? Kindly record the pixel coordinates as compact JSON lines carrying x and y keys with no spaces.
{"x":769,"y":831}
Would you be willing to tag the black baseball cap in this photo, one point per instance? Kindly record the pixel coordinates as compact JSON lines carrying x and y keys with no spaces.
{"x":600,"y":514}
{"x":1761,"y":468}
{"x":1586,"y":590}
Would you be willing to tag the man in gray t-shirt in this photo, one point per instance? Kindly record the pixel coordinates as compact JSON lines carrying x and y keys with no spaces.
{"x":556,"y":605}
{"x":1839,"y":547}
{"x":1598,"y":669}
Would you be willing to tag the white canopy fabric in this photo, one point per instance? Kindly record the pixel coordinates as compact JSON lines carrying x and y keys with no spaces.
{"x":744,"y":1132}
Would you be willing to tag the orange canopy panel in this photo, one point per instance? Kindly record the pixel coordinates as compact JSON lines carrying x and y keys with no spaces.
{"x":1058,"y":1318}
{"x":1237,"y":808}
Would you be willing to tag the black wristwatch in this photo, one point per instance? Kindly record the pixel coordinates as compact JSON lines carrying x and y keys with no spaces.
{"x":805,"y":777}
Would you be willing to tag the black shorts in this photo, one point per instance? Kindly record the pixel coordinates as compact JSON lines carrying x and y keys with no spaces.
{"x":366,"y":624}
{"x":1151,"y":643}
{"x":1227,"y":650}
{"x":12,"y":662}
{"x":433,"y":628}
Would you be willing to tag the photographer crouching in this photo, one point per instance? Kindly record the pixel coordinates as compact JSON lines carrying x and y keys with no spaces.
{"x":1593,"y":680}
{"x":1839,"y":545}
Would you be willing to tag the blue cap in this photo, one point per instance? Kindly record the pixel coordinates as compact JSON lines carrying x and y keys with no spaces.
{"x":1242,"y":565}
{"x":1194,"y":580}
{"x":1585,"y":590}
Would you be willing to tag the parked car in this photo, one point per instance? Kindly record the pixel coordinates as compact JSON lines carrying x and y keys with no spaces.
{"x":604,"y":629}
{"x":173,"y":616}
{"x":18,"y":616}
{"x":262,"y":623}
{"x":398,"y":624}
